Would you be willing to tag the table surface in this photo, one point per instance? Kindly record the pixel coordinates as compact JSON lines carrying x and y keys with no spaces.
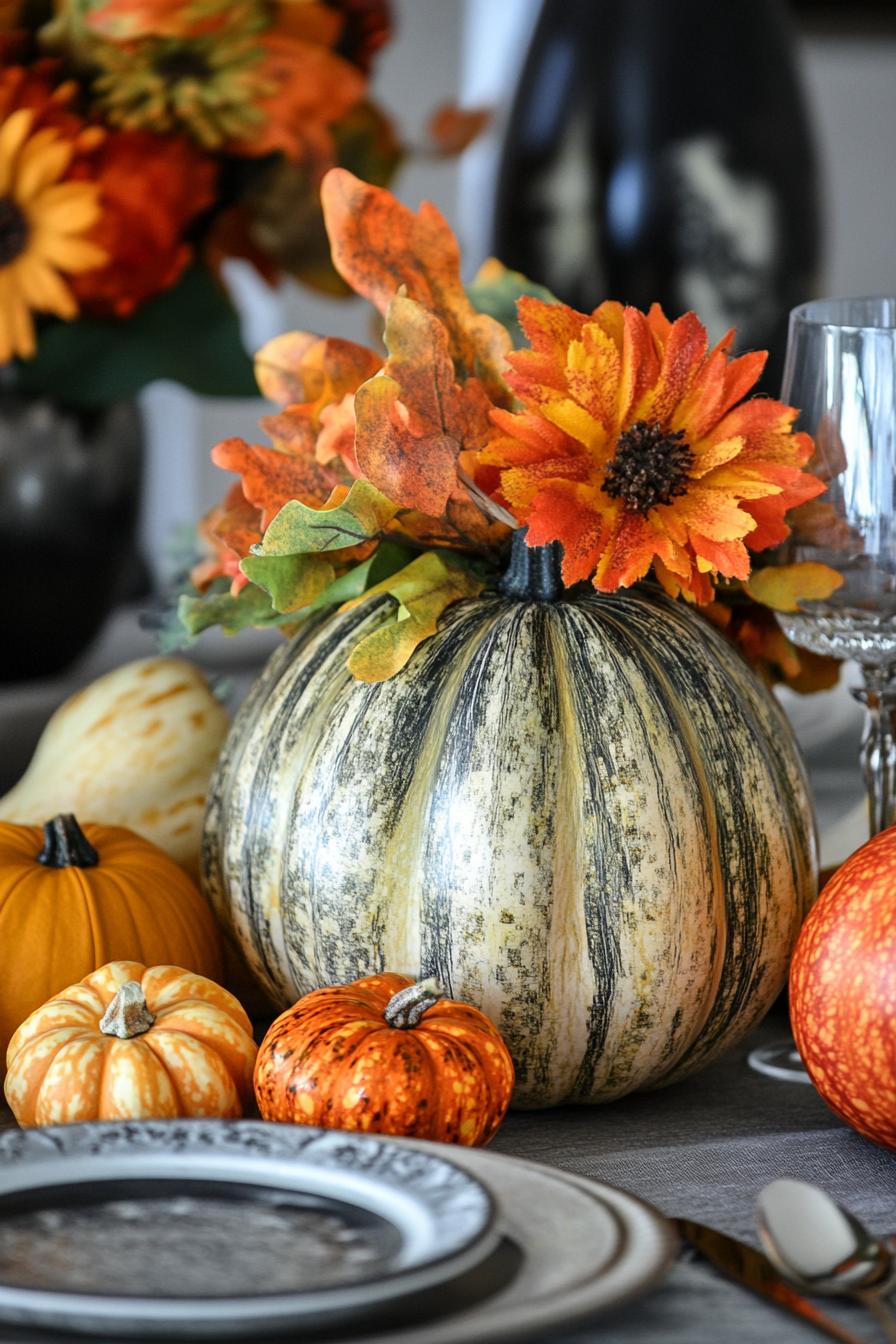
{"x":704,"y":1149}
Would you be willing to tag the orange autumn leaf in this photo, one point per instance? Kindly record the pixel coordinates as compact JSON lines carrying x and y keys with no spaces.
{"x":279,"y":363}
{"x":414,"y":421}
{"x":314,"y":370}
{"x":462,"y":527}
{"x":272,"y":478}
{"x":336,"y":439}
{"x":451,"y":128}
{"x":229,"y":531}
{"x":379,"y":245}
{"x":784,"y":587}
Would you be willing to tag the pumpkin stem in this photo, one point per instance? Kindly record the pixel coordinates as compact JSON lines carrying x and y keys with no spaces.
{"x":127,"y":1014}
{"x":66,"y":845}
{"x":533,"y":574}
{"x":406,"y":1008}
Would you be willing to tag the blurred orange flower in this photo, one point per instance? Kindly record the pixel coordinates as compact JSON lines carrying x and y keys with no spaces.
{"x":309,"y":88}
{"x":126,"y":20}
{"x":151,"y":188}
{"x":634,"y":449}
{"x":753,"y":629}
{"x":39,"y":88}
{"x":367,"y":26}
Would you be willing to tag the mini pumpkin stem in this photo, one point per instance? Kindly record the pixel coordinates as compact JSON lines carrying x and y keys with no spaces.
{"x":533,"y":574}
{"x":127,"y":1014}
{"x":406,"y":1008}
{"x":66,"y":845}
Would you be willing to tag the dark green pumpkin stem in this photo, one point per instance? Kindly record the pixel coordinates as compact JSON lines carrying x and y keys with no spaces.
{"x":406,"y":1008}
{"x":533,"y":574}
{"x":66,"y":845}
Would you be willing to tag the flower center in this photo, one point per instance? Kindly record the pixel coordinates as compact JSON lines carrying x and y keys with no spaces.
{"x":13,"y":231}
{"x":175,"y":64}
{"x":650,"y":466}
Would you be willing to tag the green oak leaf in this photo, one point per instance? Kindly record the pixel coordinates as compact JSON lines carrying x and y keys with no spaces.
{"x":495,"y":291}
{"x":252,"y":606}
{"x":300,"y":530}
{"x":291,"y":581}
{"x":422,"y":590}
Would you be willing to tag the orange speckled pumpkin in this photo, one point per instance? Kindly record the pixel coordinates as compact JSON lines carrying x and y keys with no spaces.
{"x":128,"y":1043}
{"x":388,"y":1055}
{"x":843,"y":991}
{"x":73,"y":899}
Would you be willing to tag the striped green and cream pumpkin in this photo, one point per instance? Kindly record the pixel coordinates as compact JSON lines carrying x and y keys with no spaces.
{"x":587,"y":817}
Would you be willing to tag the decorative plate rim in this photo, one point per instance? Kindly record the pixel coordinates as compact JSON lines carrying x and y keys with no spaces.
{"x":467,"y":1223}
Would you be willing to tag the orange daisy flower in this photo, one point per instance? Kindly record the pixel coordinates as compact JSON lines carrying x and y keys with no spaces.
{"x":634,"y":449}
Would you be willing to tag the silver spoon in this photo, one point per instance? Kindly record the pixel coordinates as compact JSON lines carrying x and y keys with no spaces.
{"x":824,"y":1249}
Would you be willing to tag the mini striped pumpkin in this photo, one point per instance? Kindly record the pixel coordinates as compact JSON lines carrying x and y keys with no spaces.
{"x":587,"y":817}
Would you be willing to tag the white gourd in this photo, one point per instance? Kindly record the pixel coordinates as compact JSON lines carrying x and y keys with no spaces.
{"x":135,"y":748}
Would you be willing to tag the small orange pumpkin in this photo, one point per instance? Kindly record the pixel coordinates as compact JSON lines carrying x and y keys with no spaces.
{"x":128,"y":1043}
{"x":73,"y":899}
{"x":388,"y":1055}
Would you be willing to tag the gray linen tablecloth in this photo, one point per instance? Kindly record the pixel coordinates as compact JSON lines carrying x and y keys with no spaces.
{"x":704,"y":1149}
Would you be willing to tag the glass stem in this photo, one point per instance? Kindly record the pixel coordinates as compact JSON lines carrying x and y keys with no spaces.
{"x":878,"y":751}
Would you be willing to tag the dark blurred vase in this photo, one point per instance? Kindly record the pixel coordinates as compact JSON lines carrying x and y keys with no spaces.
{"x":659,"y":150}
{"x":69,"y":497}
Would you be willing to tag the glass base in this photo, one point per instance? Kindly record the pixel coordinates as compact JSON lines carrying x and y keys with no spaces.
{"x":869,"y":636}
{"x":779,"y":1061}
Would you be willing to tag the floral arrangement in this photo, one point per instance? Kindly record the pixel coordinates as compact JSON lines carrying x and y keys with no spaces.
{"x":144,"y":142}
{"x":619,"y":435}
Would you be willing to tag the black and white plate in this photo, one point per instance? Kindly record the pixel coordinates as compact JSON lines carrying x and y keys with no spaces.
{"x":209,"y":1228}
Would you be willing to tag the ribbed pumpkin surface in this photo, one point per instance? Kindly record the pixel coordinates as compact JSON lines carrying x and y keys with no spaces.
{"x":587,"y":818}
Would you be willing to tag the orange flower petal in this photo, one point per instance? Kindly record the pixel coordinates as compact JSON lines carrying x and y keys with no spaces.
{"x":549,"y":325}
{"x":684,"y":349}
{"x":629,"y":553}
{"x":610,"y":317}
{"x":716,"y":455}
{"x":712,"y":514}
{"x":640,"y":367}
{"x":570,"y":511}
{"x":730,"y":558}
{"x":592,"y":374}
{"x":521,"y":486}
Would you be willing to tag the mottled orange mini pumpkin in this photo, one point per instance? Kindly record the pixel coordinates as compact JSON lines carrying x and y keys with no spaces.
{"x":128,"y":1043}
{"x":72,"y":899}
{"x":843,"y":991}
{"x":387,"y":1055}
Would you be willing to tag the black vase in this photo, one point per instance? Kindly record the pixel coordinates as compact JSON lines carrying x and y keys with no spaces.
{"x":659,"y":150}
{"x":69,"y":496}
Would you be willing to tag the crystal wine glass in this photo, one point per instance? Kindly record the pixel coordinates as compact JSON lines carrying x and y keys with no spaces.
{"x":840,"y":370}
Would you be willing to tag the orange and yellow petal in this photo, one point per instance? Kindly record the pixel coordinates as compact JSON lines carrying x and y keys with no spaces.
{"x":569,"y":510}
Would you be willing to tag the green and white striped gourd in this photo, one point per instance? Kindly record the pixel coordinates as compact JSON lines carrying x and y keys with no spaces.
{"x":587,"y":817}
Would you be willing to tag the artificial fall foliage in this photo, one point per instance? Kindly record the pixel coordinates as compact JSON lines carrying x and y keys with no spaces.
{"x":401,"y":472}
{"x":144,"y":143}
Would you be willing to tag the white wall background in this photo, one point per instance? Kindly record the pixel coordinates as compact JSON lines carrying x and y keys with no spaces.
{"x":446,"y":49}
